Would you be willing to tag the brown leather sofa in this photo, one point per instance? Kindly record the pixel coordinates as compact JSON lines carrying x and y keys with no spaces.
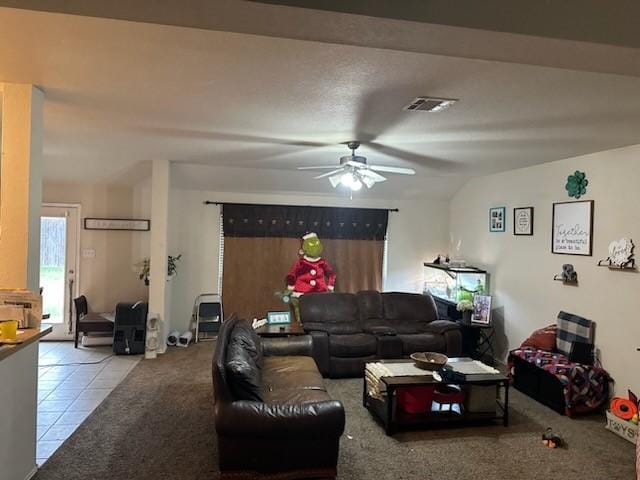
{"x":273,"y":416}
{"x":349,"y":330}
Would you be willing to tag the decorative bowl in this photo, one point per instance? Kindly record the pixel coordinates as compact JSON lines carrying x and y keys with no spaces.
{"x":429,"y":360}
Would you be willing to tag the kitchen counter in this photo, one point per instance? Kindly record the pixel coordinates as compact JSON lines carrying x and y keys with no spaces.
{"x":28,"y":336}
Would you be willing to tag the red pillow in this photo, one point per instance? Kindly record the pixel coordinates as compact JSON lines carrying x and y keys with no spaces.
{"x":543,"y":339}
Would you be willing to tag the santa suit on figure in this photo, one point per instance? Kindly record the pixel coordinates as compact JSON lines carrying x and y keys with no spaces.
{"x":308,"y":274}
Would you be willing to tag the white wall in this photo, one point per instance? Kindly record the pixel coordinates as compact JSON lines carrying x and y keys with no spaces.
{"x":522,"y":268}
{"x":417,"y":233}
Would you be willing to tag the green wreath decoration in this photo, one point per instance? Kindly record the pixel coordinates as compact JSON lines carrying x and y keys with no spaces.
{"x":577,"y":184}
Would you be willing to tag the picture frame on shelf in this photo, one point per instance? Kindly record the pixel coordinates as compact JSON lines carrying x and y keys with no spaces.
{"x":481,"y":310}
{"x":278,"y":318}
{"x":523,"y":221}
{"x":497,"y":219}
{"x":572,"y":228}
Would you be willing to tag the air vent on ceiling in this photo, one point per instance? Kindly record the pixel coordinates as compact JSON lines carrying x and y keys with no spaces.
{"x":428,"y":104}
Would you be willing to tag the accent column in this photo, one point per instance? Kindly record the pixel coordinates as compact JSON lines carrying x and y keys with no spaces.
{"x":159,"y":287}
{"x":20,"y":186}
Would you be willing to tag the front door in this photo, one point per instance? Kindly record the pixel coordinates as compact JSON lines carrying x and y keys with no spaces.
{"x":59,"y":244}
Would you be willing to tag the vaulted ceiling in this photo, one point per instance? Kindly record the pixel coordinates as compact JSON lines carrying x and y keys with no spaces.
{"x":258,"y":98}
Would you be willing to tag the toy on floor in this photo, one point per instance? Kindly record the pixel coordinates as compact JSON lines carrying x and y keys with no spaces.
{"x":550,"y":439}
{"x":626,"y":408}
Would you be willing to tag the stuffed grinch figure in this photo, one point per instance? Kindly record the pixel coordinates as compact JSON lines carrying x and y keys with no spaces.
{"x":311,"y":273}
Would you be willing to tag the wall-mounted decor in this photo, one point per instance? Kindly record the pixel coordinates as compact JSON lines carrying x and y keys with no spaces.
{"x":523,"y":221}
{"x":572,"y":228}
{"x":117,"y":224}
{"x":577,"y":184}
{"x":568,"y":275}
{"x":620,"y":255}
{"x":497,"y":219}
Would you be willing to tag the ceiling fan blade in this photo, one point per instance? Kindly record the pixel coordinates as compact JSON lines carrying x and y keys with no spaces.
{"x":328,"y":174}
{"x":399,"y":170}
{"x":336,"y":179}
{"x":368,"y":173}
{"x":324,"y":167}
{"x":415,"y":158}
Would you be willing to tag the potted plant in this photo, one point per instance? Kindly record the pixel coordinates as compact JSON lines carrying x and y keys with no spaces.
{"x":144,"y":267}
{"x":466,"y":307}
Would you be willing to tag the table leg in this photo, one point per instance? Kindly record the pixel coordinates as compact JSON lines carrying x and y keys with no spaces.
{"x":388,"y":424}
{"x":506,"y":404}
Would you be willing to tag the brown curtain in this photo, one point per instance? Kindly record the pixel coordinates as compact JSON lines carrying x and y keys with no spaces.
{"x":255,"y":268}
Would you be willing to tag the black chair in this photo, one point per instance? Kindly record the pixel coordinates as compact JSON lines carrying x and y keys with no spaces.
{"x":89,"y":322}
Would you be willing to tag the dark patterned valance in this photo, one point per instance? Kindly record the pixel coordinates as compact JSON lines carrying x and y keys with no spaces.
{"x":244,"y":220}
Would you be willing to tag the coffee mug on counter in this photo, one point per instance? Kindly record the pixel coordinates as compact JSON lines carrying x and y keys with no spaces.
{"x":9,"y":329}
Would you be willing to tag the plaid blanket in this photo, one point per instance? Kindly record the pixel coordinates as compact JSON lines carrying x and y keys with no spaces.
{"x":585,"y":387}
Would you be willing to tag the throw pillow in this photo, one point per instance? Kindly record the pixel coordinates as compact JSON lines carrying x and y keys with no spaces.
{"x":542,"y":339}
{"x":572,"y":328}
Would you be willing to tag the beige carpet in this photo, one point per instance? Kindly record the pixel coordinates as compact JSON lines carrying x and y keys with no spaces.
{"x":158,"y":424}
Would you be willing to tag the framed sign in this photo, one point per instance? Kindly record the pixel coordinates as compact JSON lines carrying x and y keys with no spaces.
{"x":278,"y":318}
{"x":497,"y":220}
{"x":523,"y":221}
{"x":572,"y":228}
{"x":481,"y":310}
{"x":116,"y":224}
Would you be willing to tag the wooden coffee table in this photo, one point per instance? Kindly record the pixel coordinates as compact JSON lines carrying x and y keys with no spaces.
{"x":394,"y":418}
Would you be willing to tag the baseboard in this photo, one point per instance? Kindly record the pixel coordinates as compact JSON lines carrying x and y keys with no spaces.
{"x":31,"y":473}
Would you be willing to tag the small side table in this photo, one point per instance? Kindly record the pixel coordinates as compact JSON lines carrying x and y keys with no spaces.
{"x":292,"y":329}
{"x":481,"y":336}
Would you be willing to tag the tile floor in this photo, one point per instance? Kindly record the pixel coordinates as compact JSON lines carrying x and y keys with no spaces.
{"x":71,"y":384}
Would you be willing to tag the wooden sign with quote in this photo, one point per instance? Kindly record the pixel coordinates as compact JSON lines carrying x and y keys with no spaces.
{"x":572,"y":228}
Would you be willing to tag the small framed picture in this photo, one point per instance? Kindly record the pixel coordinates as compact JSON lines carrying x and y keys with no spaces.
{"x":481,"y":310}
{"x":523,"y":221}
{"x":278,"y":318}
{"x":497,"y":220}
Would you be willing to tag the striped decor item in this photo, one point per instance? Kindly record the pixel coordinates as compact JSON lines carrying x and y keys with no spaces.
{"x":572,"y":328}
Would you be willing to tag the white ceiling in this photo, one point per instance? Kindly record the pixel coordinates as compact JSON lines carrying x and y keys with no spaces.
{"x":119,"y":94}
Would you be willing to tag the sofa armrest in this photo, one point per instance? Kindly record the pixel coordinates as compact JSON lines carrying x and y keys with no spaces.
{"x":295,"y":345}
{"x":244,"y":418}
{"x":320,"y":342}
{"x":441,"y":326}
{"x":380,"y":331}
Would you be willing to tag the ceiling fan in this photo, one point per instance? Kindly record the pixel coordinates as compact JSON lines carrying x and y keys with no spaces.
{"x":354,"y":171}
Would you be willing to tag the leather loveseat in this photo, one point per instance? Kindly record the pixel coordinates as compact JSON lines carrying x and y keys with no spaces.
{"x":273,"y":416}
{"x":349,"y":330}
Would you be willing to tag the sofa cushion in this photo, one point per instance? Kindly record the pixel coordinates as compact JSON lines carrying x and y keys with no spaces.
{"x":292,"y":379}
{"x":352,"y":346}
{"x":408,"y":312}
{"x":243,"y":374}
{"x":370,"y":309}
{"x":330,"y":312}
{"x":423,"y":342}
{"x":284,"y":371}
{"x":245,"y":333}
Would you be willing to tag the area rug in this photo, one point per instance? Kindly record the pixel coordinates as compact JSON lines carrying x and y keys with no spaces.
{"x":158,"y":424}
